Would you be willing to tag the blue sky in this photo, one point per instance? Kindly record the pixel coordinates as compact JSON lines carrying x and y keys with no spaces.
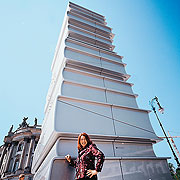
{"x":146,"y":34}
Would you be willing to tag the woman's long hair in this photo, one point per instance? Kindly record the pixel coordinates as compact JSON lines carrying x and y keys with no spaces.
{"x":87,"y":139}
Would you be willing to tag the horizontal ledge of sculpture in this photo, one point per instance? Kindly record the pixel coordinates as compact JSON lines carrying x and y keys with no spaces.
{"x":90,"y":67}
{"x":112,"y":169}
{"x":97,"y":56}
{"x":76,"y":83}
{"x":91,"y":17}
{"x":89,"y":21}
{"x":90,"y":40}
{"x":103,"y":104}
{"x":103,"y":53}
{"x":97,"y":76}
{"x":84,"y":25}
{"x":122,"y":158}
{"x":85,"y":10}
{"x":90,"y":33}
{"x":131,"y":146}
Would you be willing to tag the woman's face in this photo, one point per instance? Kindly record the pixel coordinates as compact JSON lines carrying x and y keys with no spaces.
{"x":83,"y":141}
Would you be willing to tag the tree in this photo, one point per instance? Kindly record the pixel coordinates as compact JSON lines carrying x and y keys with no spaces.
{"x":178,"y":173}
{"x":175,"y":173}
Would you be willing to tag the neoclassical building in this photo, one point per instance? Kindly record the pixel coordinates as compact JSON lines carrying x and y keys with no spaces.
{"x":17,"y":152}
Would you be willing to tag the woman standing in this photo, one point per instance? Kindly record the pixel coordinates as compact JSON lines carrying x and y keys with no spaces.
{"x":85,"y":162}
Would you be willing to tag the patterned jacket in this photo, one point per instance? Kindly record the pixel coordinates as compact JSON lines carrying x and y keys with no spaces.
{"x":86,"y":161}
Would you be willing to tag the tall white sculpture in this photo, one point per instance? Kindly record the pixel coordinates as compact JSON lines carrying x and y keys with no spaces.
{"x":89,"y":93}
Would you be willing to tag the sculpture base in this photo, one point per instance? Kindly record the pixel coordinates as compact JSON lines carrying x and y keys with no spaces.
{"x":117,"y":168}
{"x":126,"y":159}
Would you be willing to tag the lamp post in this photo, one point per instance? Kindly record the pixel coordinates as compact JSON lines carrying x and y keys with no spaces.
{"x":162,"y":110}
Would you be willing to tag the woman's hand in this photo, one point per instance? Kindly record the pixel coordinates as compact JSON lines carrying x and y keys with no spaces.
{"x":91,"y":173}
{"x":68,"y":158}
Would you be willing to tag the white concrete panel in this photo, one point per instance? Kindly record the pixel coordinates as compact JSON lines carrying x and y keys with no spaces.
{"x":103,"y":33}
{"x":84,"y":67}
{"x":103,"y":28}
{"x":105,"y":147}
{"x":69,"y":146}
{"x":121,"y":99}
{"x":90,"y":23}
{"x":89,"y":16}
{"x":89,"y":34}
{"x":60,"y":45}
{"x":61,"y":170}
{"x":136,"y":118}
{"x":103,"y":40}
{"x":82,"y":25}
{"x":82,"y":57}
{"x":112,"y":75}
{"x":113,"y":67}
{"x":82,"y":38}
{"x":72,"y":89}
{"x":82,"y":33}
{"x":145,"y":169}
{"x":83,"y":92}
{"x":82,"y":20}
{"x":75,"y":120}
{"x":128,"y":130}
{"x":130,"y":115}
{"x":109,"y":56}
{"x":133,"y":150}
{"x":111,"y":171}
{"x":86,"y":11}
{"x":118,"y":86}
{"x":44,"y":170}
{"x":83,"y":48}
{"x":84,"y":78}
{"x":47,"y":130}
{"x":103,"y":45}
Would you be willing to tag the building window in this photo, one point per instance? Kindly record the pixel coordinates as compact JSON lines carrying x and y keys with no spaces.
{"x":20,"y":147}
{"x":16,"y":164}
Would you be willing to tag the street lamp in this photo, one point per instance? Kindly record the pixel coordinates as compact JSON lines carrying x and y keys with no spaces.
{"x":162,"y":110}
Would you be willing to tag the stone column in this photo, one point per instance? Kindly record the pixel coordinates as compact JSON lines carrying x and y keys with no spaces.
{"x":23,"y":153}
{"x":14,"y":158}
{"x":31,"y":146}
{"x":3,"y":170}
{"x":9,"y":156}
{"x":2,"y":156}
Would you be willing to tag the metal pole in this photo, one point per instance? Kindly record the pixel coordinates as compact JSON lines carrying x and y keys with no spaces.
{"x":171,"y":137}
{"x":153,"y":108}
{"x":174,"y":145}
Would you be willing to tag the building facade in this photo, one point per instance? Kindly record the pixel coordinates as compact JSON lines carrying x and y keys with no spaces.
{"x":17,"y":152}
